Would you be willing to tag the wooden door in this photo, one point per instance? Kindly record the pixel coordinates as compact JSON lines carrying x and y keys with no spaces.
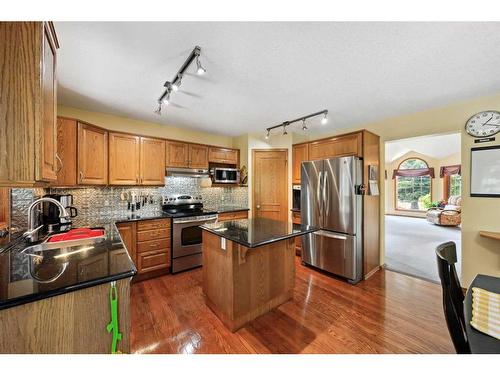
{"x":270,"y":181}
{"x":345,"y":145}
{"x":128,"y":234}
{"x":67,"y":152}
{"x":198,"y":156}
{"x":92,"y":155}
{"x":223,"y":155}
{"x":177,"y":154}
{"x":299,"y":154}
{"x":124,"y":156}
{"x":49,"y":102}
{"x":152,"y":161}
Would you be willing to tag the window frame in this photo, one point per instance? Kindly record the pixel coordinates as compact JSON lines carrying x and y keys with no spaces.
{"x":395,"y":187}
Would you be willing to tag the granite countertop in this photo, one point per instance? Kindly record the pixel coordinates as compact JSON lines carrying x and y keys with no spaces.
{"x":28,"y":275}
{"x":227,"y":208}
{"x":258,"y":231}
{"x":295,"y":209}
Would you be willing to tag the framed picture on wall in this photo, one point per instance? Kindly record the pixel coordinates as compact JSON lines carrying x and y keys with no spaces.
{"x":485,"y":172}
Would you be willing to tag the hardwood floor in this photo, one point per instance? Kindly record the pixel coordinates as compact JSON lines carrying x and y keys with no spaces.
{"x":389,"y":313}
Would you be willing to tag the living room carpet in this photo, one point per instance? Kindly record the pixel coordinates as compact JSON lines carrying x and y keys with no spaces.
{"x":410,"y":245}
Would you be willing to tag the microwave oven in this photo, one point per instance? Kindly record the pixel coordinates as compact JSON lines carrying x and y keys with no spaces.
{"x":225,"y":175}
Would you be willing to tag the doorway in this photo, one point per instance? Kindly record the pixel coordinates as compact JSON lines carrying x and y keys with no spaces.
{"x":422,"y":202}
{"x":270,"y":181}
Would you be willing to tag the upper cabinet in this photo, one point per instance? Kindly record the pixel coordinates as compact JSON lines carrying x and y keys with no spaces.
{"x":299,"y":154}
{"x":92,"y":155}
{"x":186,"y":155}
{"x":28,"y":103}
{"x":223,"y":155}
{"x":345,"y":145}
{"x":152,"y":161}
{"x":124,"y":159}
{"x":135,"y":160}
{"x":67,"y":150}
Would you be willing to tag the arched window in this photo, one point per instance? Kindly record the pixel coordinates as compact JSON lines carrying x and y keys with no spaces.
{"x":413,"y":184}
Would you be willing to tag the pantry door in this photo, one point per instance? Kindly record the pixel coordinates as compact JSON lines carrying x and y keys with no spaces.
{"x":270,"y":181}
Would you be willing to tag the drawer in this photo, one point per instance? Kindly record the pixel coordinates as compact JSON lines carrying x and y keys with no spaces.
{"x":295,"y":217}
{"x":153,"y":260}
{"x":153,"y":224}
{"x":154,"y":234}
{"x":225,"y":216}
{"x":153,"y":245}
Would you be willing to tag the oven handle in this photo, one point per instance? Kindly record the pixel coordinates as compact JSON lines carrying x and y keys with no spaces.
{"x":194,"y":221}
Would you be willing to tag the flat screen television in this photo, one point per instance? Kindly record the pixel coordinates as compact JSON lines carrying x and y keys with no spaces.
{"x":485,"y":172}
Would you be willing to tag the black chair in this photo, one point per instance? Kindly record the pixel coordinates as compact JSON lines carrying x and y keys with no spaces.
{"x":453,"y":296}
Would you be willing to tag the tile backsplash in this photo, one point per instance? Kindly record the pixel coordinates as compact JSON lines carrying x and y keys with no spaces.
{"x":105,"y":202}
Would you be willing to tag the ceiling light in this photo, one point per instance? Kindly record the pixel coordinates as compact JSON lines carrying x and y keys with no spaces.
{"x":267,"y":135}
{"x":177,"y":83}
{"x":166,"y":99}
{"x":284,"y":130}
{"x":304,"y":127}
{"x":324,"y":120}
{"x":158,"y":110}
{"x":199,"y":68}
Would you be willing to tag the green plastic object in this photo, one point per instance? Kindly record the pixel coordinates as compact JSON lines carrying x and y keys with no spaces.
{"x":112,"y":327}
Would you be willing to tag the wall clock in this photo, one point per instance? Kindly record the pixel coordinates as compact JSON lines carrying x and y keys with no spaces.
{"x":483,"y":124}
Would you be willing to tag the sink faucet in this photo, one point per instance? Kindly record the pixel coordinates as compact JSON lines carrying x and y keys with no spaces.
{"x":32,"y":232}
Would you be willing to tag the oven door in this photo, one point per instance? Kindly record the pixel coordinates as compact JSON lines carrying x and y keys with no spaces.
{"x":226,"y":175}
{"x":187,"y":236}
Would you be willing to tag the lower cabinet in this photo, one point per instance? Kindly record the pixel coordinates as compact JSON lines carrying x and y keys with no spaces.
{"x":149,"y":244}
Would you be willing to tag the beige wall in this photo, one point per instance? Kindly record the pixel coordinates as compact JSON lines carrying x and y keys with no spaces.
{"x":437,"y":191}
{"x":479,"y":255}
{"x":128,"y":125}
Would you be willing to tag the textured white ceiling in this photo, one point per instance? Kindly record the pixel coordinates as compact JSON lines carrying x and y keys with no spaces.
{"x":435,"y":146}
{"x":261,"y":74}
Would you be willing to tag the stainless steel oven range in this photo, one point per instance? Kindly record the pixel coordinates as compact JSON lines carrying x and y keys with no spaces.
{"x":187,"y":215}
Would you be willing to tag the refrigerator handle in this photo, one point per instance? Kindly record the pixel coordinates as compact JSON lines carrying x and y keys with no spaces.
{"x":326,"y":193}
{"x":318,"y":194}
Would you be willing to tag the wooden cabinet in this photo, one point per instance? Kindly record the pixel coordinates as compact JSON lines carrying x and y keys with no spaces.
{"x":177,"y":154}
{"x":345,"y":145}
{"x":198,"y":156}
{"x":92,"y":155}
{"x":226,"y":216}
{"x":223,"y":155}
{"x":93,"y":267}
{"x":186,"y":155}
{"x":298,"y":240}
{"x":299,"y":154}
{"x":28,"y":103}
{"x":153,"y":246}
{"x":124,"y":159}
{"x":67,"y":151}
{"x":152,"y":161}
{"x":128,"y":233}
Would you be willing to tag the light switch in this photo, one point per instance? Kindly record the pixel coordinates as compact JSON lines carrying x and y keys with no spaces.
{"x":223,"y":243}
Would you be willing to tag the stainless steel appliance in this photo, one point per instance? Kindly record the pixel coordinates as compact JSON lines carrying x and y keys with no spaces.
{"x":187,"y":215}
{"x":225,"y":175}
{"x":187,"y":172}
{"x":50,"y":213}
{"x":331,"y":199}
{"x":296,"y":197}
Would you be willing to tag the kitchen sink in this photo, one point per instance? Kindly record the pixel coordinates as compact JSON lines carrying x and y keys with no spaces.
{"x":48,"y":245}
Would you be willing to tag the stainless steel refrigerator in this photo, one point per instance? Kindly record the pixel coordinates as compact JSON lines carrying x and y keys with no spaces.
{"x":331,"y":200}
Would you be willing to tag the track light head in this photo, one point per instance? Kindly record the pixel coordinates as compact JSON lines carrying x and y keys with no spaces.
{"x":166,"y":99}
{"x":284,"y":130}
{"x":158,"y":109}
{"x":304,"y":127}
{"x":267,"y":135}
{"x":324,"y":120}
{"x":200,"y":70}
{"x":177,"y":83}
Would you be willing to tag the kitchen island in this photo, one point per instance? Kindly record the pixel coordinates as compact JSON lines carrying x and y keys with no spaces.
{"x":248,"y":267}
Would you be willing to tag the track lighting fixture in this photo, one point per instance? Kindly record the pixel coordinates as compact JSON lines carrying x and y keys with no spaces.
{"x":158,"y":109}
{"x":285,"y":124}
{"x":175,"y":84}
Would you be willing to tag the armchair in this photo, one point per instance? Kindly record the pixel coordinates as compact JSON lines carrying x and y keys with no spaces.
{"x":450,"y":215}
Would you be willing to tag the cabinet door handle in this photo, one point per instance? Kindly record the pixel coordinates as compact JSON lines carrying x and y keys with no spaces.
{"x":81,"y":176}
{"x":60,"y":162}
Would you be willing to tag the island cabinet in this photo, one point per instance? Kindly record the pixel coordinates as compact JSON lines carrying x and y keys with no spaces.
{"x":223,"y":155}
{"x":186,"y":155}
{"x":92,"y":155}
{"x":298,"y":240}
{"x":28,"y":95}
{"x":235,"y":215}
{"x":299,"y":154}
{"x":135,"y":160}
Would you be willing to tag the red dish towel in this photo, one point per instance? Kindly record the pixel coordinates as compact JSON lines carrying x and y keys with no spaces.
{"x":77,"y":234}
